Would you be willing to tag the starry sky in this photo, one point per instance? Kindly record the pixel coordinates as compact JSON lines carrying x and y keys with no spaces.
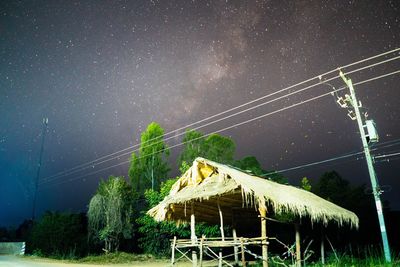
{"x":101,"y":71}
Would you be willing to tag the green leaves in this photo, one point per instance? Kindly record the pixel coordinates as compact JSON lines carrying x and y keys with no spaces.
{"x":214,"y":147}
{"x":110,"y":212}
{"x":150,"y":167}
{"x":59,"y":235}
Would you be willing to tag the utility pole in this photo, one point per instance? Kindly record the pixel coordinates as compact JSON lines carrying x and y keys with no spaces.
{"x":371,"y":136}
{"x":44,"y":130}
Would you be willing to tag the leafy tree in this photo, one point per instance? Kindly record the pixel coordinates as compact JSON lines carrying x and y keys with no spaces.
{"x":194,"y":147}
{"x":214,"y":147}
{"x":150,"y":166}
{"x":333,"y":187}
{"x":24,"y":230}
{"x":219,"y":148}
{"x":305,"y":184}
{"x":59,"y":235}
{"x":4,"y":234}
{"x":249,"y":164}
{"x":276,"y":177}
{"x":110,"y":213}
{"x":155,"y":236}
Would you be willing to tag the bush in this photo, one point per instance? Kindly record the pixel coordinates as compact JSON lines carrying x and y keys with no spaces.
{"x":59,"y":235}
{"x":155,"y":236}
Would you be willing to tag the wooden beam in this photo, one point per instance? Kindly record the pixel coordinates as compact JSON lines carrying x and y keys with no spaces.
{"x":263,"y":216}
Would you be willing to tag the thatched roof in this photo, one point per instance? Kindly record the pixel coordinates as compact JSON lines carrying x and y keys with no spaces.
{"x":239,"y":194}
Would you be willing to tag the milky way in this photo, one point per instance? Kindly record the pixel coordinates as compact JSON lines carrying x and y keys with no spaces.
{"x":101,"y":71}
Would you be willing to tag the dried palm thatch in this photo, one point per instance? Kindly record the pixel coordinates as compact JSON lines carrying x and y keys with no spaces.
{"x":207,"y":184}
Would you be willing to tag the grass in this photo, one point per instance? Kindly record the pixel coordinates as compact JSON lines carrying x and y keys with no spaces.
{"x":366,"y":257}
{"x":369,"y":259}
{"x":115,"y":258}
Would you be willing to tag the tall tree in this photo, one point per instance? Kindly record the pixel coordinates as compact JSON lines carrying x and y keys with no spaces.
{"x":150,"y":167}
{"x":110,"y":212}
{"x":214,"y":147}
{"x":194,"y":147}
{"x":249,"y":164}
{"x":220,"y":148}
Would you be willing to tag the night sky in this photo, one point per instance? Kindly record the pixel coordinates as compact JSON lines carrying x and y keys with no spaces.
{"x":101,"y":71}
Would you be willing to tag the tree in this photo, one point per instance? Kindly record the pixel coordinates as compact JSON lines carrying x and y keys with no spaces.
{"x":214,"y":147}
{"x":59,"y":235}
{"x":220,"y":148}
{"x":194,"y":147}
{"x":110,"y":213}
{"x":249,"y":164}
{"x":333,"y":187}
{"x":150,"y":166}
{"x":305,"y":184}
{"x":155,"y":236}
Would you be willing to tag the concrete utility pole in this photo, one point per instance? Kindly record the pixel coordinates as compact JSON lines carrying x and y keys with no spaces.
{"x":372,"y":136}
{"x":44,"y":130}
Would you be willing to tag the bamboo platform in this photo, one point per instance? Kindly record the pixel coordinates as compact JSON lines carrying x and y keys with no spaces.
{"x":212,"y":247}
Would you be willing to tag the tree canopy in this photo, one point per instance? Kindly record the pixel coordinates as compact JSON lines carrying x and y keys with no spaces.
{"x":214,"y":147}
{"x":110,"y":212}
{"x":59,"y":235}
{"x":149,"y":167}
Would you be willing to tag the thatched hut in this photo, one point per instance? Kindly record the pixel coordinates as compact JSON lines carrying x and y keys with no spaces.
{"x":214,"y":193}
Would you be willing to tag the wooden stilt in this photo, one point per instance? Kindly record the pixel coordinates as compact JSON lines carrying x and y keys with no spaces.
{"x":221,"y":219}
{"x":242,"y":250}
{"x":263,"y":215}
{"x":322,"y":245}
{"x":173,"y":251}
{"x":201,"y":251}
{"x":235,"y":248}
{"x":193,"y":236}
{"x":298,"y":249}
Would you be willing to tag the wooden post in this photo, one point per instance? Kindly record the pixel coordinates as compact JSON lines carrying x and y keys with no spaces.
{"x":298,"y":249}
{"x":263,"y":215}
{"x":173,"y":251}
{"x":221,"y":219}
{"x":193,"y":236}
{"x":235,"y":248}
{"x":242,"y":250}
{"x":322,"y":245}
{"x":201,"y":251}
{"x":235,"y":239}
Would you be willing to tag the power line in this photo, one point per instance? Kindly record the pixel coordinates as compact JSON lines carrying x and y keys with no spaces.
{"x":234,"y":108}
{"x":244,"y":122}
{"x":387,"y":155}
{"x":349,"y":155}
{"x":265,"y":115}
{"x":97,"y":161}
{"x":313,"y":163}
{"x":381,"y":145}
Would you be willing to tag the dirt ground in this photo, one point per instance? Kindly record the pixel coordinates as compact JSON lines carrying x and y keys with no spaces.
{"x":15,"y":261}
